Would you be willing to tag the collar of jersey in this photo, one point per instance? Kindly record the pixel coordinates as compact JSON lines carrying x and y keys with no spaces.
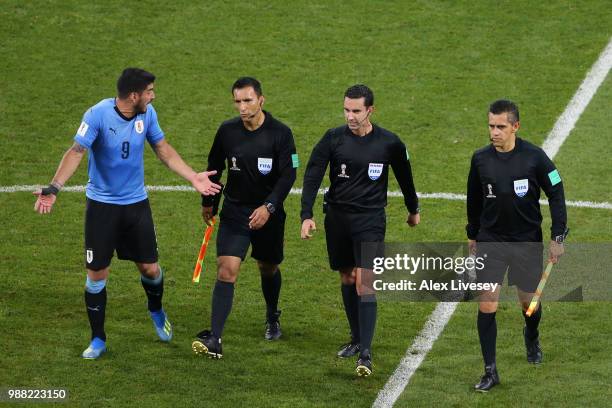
{"x":267,"y":117}
{"x":505,"y":155}
{"x":364,"y":137}
{"x":122,"y":116}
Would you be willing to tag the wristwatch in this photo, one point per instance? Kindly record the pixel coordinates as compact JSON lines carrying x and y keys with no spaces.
{"x":270,"y":207}
{"x":559,"y":239}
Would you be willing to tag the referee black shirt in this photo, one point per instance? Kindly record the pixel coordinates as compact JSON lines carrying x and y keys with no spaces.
{"x":261,"y":163}
{"x":503,"y":193}
{"x":359,"y":170}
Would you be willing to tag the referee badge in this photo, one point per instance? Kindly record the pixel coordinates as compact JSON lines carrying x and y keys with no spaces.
{"x":521,"y":187}
{"x":139,"y":126}
{"x":375,"y":170}
{"x":264,"y":165}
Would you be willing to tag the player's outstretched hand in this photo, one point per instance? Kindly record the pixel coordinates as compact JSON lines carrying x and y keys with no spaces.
{"x":555,"y":251}
{"x":44,"y":202}
{"x":201,"y":182}
{"x":414,"y":219}
{"x":308,"y":226}
{"x":259,"y":217}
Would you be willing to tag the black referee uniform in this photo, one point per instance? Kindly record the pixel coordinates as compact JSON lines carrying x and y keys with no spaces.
{"x":504,"y":217}
{"x":357,"y":196}
{"x":504,"y":192}
{"x":354,"y":207}
{"x":261,"y":166}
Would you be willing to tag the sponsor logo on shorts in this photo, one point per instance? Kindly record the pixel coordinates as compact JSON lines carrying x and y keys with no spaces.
{"x":264,"y":165}
{"x":521,"y":187}
{"x":89,"y":255}
{"x":490,"y":190}
{"x":375,"y":170}
{"x":139,"y":126}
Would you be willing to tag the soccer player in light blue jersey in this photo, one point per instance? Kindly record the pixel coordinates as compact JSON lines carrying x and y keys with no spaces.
{"x":118,"y":216}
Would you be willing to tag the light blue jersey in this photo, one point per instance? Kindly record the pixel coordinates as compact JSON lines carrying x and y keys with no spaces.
{"x":116,"y":149}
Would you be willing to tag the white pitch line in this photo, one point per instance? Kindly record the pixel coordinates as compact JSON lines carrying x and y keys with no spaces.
{"x":579,"y":102}
{"x":563,"y":127}
{"x":415,"y":354}
{"x":297,"y":191}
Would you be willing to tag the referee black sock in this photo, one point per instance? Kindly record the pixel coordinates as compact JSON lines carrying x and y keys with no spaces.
{"x":487,"y":332}
{"x":532,"y":322}
{"x":271,"y":286}
{"x":367,"y":320}
{"x":222,"y":298}
{"x":154,"y":288}
{"x":351,"y":307}
{"x":96,"y":308}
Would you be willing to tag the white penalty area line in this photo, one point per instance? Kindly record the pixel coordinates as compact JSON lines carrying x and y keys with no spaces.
{"x":298,"y":191}
{"x":444,"y":311}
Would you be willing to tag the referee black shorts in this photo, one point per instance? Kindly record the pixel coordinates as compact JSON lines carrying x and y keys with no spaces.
{"x":522,"y":260}
{"x":235,"y":236}
{"x":128,"y":229}
{"x":354,"y":238}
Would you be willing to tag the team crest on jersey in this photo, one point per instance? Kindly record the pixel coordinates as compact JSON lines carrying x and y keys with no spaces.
{"x":521,"y":187}
{"x":139,"y":126}
{"x":89,"y":255}
{"x":375,"y":170}
{"x":264,"y":165}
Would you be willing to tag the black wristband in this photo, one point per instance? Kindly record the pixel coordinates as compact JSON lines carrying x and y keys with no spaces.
{"x":51,"y":189}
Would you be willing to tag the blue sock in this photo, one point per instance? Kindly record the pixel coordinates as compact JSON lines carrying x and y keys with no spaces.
{"x":95,"y":302}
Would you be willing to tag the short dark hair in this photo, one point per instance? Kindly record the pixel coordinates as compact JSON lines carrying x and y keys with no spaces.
{"x":503,"y":105}
{"x":245,"y":82}
{"x":133,"y":80}
{"x":360,"y":91}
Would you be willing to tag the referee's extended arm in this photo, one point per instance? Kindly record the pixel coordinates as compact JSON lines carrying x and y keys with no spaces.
{"x":550,"y":182}
{"x":313,"y":176}
{"x":287,"y":171}
{"x":403,"y":174}
{"x":216,"y":162}
{"x":474,"y":205}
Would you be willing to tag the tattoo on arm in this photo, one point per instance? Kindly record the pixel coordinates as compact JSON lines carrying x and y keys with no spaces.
{"x":77,"y":148}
